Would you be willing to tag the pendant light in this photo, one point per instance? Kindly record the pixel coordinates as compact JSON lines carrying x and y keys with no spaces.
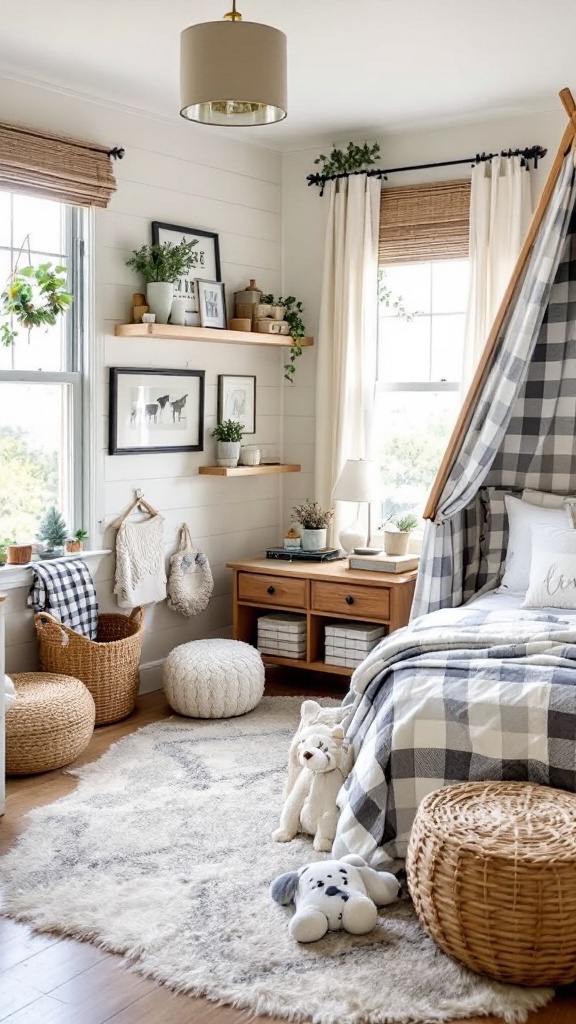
{"x":233,"y":72}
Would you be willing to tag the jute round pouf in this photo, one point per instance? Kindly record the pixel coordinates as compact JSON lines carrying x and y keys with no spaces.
{"x":213,"y":678}
{"x":50,"y":723}
{"x":492,"y":872}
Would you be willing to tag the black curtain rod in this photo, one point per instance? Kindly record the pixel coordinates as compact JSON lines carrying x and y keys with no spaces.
{"x":534,"y":153}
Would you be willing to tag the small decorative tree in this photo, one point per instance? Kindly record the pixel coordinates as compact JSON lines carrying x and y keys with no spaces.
{"x":52,"y":529}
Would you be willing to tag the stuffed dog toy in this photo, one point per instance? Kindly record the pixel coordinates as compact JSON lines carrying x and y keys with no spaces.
{"x":311,"y":806}
{"x":334,"y":894}
{"x":313,"y":718}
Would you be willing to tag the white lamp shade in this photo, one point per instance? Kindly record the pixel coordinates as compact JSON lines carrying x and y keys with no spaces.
{"x":358,"y":481}
{"x":233,"y":73}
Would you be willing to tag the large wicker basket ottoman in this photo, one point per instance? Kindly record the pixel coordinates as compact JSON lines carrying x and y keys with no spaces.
{"x":213,"y":678}
{"x":492,"y":872}
{"x":50,"y":723}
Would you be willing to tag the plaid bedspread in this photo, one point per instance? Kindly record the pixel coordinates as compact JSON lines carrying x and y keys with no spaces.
{"x":456,"y":696}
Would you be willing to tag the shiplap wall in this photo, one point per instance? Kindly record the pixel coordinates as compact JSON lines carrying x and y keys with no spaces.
{"x":187,"y":175}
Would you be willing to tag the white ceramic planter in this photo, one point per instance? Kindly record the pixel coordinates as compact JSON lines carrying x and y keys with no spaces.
{"x":227,"y":453}
{"x":395,"y":542}
{"x":178,"y":312}
{"x":159,"y":295}
{"x":314,"y":540}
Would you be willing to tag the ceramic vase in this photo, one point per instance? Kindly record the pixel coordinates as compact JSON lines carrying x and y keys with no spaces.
{"x":159,"y":295}
{"x":396,"y":542}
{"x":178,"y":312}
{"x":314,"y":540}
{"x":227,"y":453}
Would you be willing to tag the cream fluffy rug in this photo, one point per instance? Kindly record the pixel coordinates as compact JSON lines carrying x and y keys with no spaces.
{"x":164,"y":854}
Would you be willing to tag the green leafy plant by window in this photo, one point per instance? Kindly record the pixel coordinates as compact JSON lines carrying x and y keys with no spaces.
{"x":394,"y":302}
{"x":293,"y":310}
{"x":164,"y":261}
{"x":228,"y":430}
{"x":311,"y":515}
{"x":403,"y":523}
{"x":347,"y":161}
{"x":80,"y":535}
{"x":33,"y":297}
{"x":52,"y":528}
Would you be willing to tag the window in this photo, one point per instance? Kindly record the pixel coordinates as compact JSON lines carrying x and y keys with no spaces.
{"x":41,"y":374}
{"x":418,"y":386}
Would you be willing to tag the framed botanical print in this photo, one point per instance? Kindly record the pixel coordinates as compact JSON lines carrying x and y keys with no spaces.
{"x":237,"y":400}
{"x":155,"y":410}
{"x":211,"y":303}
{"x":205,"y":264}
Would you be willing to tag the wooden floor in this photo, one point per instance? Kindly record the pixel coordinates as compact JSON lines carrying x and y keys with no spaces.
{"x":47,"y":979}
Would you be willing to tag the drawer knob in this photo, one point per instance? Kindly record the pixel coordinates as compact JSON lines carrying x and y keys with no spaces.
{"x":349,"y":599}
{"x":271,"y":589}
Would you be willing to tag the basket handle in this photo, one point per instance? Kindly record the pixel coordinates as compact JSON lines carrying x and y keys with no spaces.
{"x":137,"y":615}
{"x":47,"y":622}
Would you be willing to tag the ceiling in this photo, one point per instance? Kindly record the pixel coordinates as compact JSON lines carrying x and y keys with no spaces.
{"x":355,"y":68}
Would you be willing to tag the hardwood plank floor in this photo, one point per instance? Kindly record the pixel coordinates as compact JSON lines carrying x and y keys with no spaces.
{"x":49,"y":979}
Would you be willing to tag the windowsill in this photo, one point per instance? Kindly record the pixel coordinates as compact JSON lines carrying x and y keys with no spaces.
{"x":21,"y":575}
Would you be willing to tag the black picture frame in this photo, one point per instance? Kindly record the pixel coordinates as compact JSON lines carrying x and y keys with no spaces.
{"x":137,"y":425}
{"x":237,"y":399}
{"x":206,"y":264}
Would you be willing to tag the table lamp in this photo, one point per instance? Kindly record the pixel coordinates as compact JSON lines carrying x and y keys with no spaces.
{"x":359,"y":481}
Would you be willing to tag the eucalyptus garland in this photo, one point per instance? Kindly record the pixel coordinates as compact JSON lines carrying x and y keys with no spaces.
{"x":347,"y":161}
{"x":293,"y":310}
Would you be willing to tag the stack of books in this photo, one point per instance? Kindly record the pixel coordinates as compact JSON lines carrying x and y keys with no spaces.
{"x":384,"y":563}
{"x":282,"y":634}
{"x":348,"y":643}
{"x":300,"y":555}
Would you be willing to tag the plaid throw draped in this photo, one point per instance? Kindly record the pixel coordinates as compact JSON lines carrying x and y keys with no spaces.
{"x":522,"y":432}
{"x":66,"y":590}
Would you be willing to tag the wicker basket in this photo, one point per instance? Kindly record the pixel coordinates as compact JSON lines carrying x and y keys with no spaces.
{"x":108,"y":666}
{"x":50,"y":723}
{"x":492,"y":871}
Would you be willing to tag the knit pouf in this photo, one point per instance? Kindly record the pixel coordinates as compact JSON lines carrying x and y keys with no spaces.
{"x":213,"y":678}
{"x":49,"y":724}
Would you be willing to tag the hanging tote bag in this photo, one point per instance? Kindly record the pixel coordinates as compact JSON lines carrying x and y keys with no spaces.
{"x":190,"y":582}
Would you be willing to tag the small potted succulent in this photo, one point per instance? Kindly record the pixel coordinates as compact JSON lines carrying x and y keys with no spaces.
{"x":397,"y":536}
{"x":161,"y":264}
{"x":52,"y":532}
{"x":76,"y":542}
{"x":228,"y":434}
{"x":314,"y":522}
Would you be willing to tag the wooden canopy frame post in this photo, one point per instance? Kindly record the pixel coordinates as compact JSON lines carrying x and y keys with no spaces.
{"x":466,"y":412}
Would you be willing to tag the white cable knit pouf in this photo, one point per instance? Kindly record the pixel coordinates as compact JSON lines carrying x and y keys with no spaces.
{"x":213,"y":678}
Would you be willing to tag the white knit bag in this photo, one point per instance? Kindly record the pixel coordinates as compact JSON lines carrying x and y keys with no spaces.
{"x":190,"y":582}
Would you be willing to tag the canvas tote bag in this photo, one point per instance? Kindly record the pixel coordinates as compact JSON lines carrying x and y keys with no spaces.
{"x":190,"y":582}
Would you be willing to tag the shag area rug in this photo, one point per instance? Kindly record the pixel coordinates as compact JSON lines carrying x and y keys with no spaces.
{"x":163,"y":854}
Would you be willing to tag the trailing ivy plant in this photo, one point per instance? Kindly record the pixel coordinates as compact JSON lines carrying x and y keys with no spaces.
{"x":394,"y":302}
{"x":293,"y":310}
{"x":347,"y":161}
{"x":33,"y":297}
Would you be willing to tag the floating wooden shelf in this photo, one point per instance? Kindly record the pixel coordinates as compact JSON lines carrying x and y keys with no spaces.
{"x":247,"y":470}
{"x":171,"y":332}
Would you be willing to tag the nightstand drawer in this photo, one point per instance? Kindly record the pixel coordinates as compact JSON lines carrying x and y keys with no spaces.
{"x":272,"y":590}
{"x":343,"y":599}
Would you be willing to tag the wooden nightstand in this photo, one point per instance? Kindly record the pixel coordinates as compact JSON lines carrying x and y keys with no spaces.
{"x":322,"y":591}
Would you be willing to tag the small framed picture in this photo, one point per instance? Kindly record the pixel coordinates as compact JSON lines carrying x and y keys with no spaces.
{"x":155,"y":410}
{"x":205,"y":263}
{"x":211,"y":303}
{"x":237,"y":400}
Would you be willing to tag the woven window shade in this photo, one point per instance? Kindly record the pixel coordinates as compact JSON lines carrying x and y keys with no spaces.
{"x":55,"y":167}
{"x":424,"y":222}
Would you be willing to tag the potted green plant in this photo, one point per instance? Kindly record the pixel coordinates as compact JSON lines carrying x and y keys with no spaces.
{"x":33,"y":297}
{"x":53,"y":532}
{"x":397,"y":538}
{"x":76,"y":541}
{"x":228,"y":434}
{"x":314,"y":522}
{"x":161,"y":264}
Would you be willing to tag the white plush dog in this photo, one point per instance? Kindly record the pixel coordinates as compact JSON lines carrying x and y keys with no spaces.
{"x":311,"y":806}
{"x":333,"y":895}
{"x":313,"y":719}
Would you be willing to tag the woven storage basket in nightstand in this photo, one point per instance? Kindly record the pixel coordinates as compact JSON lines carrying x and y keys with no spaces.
{"x":492,"y":871}
{"x":108,"y":666}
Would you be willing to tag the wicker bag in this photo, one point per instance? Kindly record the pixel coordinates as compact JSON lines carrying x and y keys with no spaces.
{"x":108,"y":666}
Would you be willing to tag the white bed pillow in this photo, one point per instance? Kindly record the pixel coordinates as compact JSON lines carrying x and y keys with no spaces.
{"x":552,"y":569}
{"x":522,"y":516}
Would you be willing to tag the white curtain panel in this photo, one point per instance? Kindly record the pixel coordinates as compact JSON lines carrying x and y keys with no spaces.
{"x":500,"y":214}
{"x":347,"y":335}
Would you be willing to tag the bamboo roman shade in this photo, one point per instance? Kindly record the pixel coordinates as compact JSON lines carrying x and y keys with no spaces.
{"x":424,"y":222}
{"x":55,"y":167}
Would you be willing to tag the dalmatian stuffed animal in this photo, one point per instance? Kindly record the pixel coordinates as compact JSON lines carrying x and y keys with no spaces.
{"x":314,"y":718}
{"x":334,"y":894}
{"x":311,"y":806}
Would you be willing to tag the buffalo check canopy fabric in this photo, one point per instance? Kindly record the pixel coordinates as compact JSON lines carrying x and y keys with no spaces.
{"x":458,"y":695}
{"x":66,"y":590}
{"x":522,"y":432}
